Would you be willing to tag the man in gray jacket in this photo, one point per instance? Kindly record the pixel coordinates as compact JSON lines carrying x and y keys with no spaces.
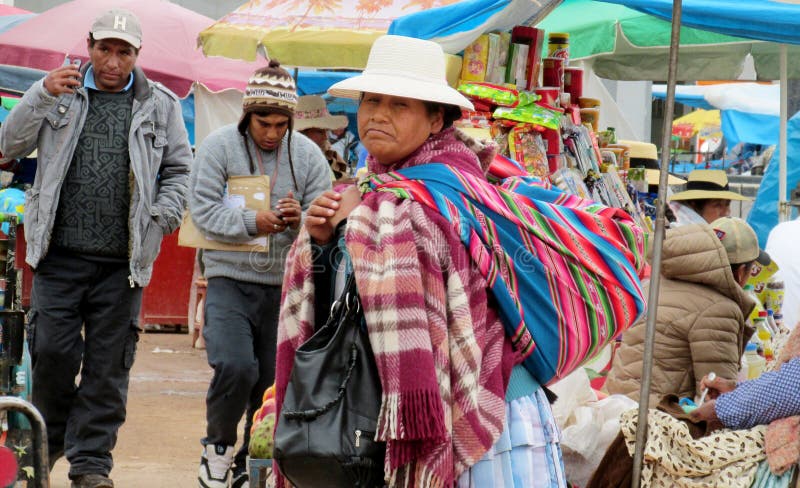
{"x":114,"y":162}
{"x":244,"y":289}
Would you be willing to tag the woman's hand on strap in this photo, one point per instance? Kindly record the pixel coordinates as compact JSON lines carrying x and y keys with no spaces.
{"x":319,"y":214}
{"x":327,"y":210}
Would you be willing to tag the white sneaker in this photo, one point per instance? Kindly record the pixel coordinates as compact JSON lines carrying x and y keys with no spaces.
{"x":215,"y":466}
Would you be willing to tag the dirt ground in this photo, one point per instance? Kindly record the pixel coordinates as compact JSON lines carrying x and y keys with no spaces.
{"x":159,"y":445}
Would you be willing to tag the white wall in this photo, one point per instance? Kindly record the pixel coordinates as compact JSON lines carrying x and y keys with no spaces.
{"x":634,"y":99}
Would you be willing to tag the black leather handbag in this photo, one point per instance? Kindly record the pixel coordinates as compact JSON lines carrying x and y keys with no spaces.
{"x":326,"y":430}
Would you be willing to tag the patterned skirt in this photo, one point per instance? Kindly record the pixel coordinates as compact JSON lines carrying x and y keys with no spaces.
{"x":527,"y":454}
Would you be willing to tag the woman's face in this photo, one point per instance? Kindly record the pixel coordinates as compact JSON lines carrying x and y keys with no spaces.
{"x":392,"y":127}
{"x":716,"y":208}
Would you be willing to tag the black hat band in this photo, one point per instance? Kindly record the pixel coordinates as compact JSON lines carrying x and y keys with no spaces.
{"x":705,"y":185}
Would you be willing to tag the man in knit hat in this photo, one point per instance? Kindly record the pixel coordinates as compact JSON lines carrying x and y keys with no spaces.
{"x":114,"y":161}
{"x":244,"y":289}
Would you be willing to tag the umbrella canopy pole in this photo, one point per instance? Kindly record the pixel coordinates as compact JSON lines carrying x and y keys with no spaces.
{"x":783,"y":207}
{"x":658,"y":241}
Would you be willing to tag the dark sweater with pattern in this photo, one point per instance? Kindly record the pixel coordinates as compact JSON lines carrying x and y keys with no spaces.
{"x":92,"y":216}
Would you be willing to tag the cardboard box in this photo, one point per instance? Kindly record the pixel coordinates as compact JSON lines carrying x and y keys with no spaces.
{"x":476,"y":58}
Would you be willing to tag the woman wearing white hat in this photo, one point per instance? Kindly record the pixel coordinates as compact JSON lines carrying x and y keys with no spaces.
{"x":456,"y":408}
{"x":312,"y":119}
{"x":707,"y":197}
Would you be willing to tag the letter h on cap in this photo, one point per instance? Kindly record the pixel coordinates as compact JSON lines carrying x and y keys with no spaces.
{"x":119,"y":22}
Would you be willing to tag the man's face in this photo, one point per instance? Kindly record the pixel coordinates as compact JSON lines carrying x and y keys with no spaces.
{"x":112,"y":61}
{"x":268,"y":130}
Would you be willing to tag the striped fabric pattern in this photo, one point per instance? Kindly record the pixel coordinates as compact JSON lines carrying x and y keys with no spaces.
{"x":565,"y":271}
{"x":527,"y":455}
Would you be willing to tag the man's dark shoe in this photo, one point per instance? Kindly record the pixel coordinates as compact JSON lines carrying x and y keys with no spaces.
{"x":92,"y":481}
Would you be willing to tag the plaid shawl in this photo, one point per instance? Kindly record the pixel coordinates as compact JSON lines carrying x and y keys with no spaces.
{"x":564,"y":271}
{"x":439,"y":346}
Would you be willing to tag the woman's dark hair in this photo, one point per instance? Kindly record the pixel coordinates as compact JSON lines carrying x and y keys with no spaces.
{"x":697,"y":205}
{"x":735,"y":267}
{"x":450,"y":113}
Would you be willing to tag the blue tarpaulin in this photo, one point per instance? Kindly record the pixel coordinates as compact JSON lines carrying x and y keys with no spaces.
{"x":765,"y":20}
{"x":456,"y":26}
{"x":763,"y":215}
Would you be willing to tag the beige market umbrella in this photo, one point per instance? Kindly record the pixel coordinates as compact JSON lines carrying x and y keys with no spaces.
{"x":310,"y":33}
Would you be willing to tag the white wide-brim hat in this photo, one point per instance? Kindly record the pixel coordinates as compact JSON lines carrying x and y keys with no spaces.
{"x":403,"y":67}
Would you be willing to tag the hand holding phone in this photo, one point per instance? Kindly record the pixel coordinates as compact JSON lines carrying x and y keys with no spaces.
{"x":64,"y":79}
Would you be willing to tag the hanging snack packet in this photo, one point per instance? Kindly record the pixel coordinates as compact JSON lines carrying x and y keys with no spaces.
{"x":525,"y":146}
{"x":490,"y":93}
{"x":530,"y":114}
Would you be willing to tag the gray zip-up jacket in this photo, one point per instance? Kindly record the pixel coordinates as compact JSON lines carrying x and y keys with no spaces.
{"x":160,"y":157}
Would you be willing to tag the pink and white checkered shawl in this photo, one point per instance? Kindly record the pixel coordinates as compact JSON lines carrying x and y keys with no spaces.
{"x":440,"y":348}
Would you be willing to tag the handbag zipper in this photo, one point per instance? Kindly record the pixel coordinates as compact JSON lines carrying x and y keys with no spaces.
{"x":358,"y":438}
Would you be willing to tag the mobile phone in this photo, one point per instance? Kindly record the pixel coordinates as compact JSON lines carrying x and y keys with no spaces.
{"x":74,"y":62}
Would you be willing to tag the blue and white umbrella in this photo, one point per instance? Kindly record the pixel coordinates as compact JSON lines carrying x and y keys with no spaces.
{"x":456,"y":26}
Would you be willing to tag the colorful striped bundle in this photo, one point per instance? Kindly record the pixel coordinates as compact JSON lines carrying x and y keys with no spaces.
{"x":565,"y":271}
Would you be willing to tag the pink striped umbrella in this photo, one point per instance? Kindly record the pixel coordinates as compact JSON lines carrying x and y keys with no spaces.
{"x":169,"y":51}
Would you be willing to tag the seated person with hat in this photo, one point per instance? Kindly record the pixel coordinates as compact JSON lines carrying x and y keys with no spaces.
{"x":313,"y":120}
{"x":645,"y":155}
{"x":707,"y":197}
{"x":700,"y":313}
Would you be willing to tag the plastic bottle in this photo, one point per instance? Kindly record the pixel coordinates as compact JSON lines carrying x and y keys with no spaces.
{"x":779,"y":321}
{"x":771,"y":323}
{"x":743,"y":370}
{"x":755,"y":363}
{"x":764,"y":335}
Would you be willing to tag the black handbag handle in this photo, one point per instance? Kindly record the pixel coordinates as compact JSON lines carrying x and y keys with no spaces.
{"x":350,"y":300}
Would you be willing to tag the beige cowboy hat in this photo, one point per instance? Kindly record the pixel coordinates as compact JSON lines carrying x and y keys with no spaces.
{"x":654,"y":178}
{"x":403,"y":67}
{"x":707,"y":183}
{"x":312,"y":113}
{"x":645,"y":155}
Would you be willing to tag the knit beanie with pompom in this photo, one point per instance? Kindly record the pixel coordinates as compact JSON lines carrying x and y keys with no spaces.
{"x":269,"y":90}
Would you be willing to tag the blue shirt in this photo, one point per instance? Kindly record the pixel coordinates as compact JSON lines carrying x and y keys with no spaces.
{"x":771,"y":396}
{"x":88,"y":80}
